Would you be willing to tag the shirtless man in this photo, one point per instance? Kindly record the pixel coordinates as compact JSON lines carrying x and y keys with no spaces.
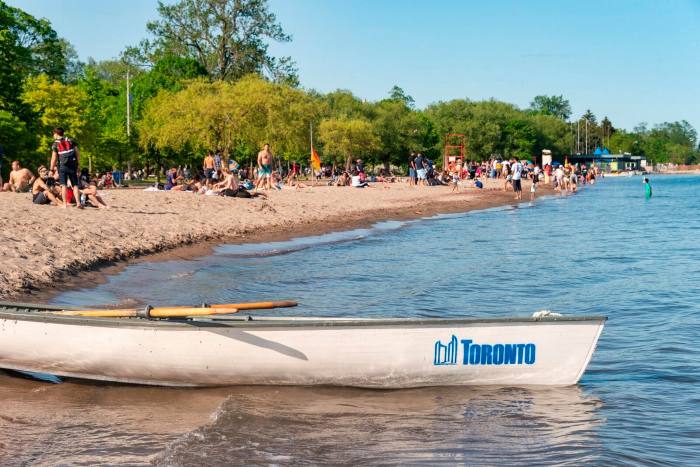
{"x":42,"y":192}
{"x":21,"y":179}
{"x":208,"y":166}
{"x":264,"y":168}
{"x":229,"y":185}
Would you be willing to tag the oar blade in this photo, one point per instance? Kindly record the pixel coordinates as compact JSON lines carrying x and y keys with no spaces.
{"x":258,"y":305}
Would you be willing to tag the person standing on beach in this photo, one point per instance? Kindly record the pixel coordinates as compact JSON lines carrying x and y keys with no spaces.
{"x":412,"y":169}
{"x":421,"y":172}
{"x":517,"y":169}
{"x":264,"y":168}
{"x":208,"y":166}
{"x":65,"y":153}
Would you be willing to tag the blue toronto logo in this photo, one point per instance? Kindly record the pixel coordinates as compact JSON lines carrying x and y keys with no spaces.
{"x":483,"y":354}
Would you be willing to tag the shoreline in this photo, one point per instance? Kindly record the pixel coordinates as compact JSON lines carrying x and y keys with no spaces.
{"x":277,"y":219}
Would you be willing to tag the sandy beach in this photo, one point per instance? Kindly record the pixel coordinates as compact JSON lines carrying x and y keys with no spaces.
{"x":43,"y":247}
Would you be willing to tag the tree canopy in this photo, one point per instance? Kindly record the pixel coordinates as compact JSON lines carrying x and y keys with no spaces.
{"x":556,"y":106}
{"x":228,"y":38}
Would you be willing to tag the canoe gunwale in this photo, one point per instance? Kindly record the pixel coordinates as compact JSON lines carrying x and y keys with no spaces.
{"x":32,"y":312}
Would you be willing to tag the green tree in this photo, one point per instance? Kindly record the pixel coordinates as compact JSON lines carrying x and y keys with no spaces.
{"x":235,"y":117}
{"x":349,"y":138}
{"x":227,"y":37}
{"x":398,"y":94}
{"x":551,"y":133}
{"x":344,"y":104}
{"x":520,"y":139}
{"x":16,"y":141}
{"x":555,"y":106}
{"x":28,"y":47}
{"x":58,"y":104}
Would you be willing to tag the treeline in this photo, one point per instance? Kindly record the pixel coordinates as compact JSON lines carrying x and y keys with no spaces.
{"x":205,"y":80}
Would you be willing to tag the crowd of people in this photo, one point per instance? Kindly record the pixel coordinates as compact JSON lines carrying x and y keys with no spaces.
{"x":64,"y":184}
{"x":60,"y":184}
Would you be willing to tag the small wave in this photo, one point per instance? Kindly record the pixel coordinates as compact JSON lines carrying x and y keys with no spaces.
{"x":248,"y":250}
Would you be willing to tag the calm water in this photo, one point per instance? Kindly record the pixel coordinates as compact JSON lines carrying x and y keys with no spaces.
{"x":606,"y":250}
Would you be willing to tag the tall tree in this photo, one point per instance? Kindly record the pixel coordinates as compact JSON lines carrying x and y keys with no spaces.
{"x":398,"y":94}
{"x":348,"y":137}
{"x":229,"y":116}
{"x":555,"y":106}
{"x":28,"y":47}
{"x":227,"y":37}
{"x":58,"y":104}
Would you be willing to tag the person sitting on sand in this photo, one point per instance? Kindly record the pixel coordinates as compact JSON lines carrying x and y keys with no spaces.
{"x":343,"y":179}
{"x":88,"y":189}
{"x":357,"y":181}
{"x":293,"y":173}
{"x":171,"y":179}
{"x":228,"y":184}
{"x":42,"y":188}
{"x":20,"y":180}
{"x":106,"y":181}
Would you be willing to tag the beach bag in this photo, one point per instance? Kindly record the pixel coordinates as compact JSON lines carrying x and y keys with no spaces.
{"x":66,"y":152}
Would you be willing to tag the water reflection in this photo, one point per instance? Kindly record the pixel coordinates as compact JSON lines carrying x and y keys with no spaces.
{"x":430,"y":425}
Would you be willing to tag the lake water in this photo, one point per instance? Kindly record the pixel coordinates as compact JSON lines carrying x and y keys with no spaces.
{"x":606,"y":250}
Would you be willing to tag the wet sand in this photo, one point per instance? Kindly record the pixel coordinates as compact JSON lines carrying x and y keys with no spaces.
{"x":43,"y":248}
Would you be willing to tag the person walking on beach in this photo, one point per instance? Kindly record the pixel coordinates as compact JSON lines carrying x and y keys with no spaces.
{"x":517,"y":169}
{"x":264,"y":168}
{"x":647,"y":188}
{"x":65,"y":153}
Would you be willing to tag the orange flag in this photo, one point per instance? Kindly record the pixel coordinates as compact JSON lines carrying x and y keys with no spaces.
{"x":315,"y":160}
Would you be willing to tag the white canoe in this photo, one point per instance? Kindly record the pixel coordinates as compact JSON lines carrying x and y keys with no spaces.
{"x":373,"y":353}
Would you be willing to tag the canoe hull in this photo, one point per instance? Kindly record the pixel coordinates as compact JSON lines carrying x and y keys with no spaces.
{"x":361,"y":353}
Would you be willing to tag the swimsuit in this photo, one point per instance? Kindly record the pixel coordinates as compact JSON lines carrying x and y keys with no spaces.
{"x":265,"y":170}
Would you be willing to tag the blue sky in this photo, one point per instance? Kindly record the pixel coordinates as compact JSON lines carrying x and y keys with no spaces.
{"x":632,"y":60}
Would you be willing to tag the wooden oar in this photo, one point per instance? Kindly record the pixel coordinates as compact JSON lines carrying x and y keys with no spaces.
{"x":148,"y":312}
{"x":258,"y":305}
{"x":178,"y":311}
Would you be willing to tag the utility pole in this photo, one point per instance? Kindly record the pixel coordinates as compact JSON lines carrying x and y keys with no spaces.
{"x":128,"y":107}
{"x":128,"y":122}
{"x":578,"y":136}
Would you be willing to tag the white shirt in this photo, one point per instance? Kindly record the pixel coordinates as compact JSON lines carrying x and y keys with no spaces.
{"x":517,"y":171}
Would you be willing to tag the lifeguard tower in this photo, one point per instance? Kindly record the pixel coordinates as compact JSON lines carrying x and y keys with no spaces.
{"x":454,"y":151}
